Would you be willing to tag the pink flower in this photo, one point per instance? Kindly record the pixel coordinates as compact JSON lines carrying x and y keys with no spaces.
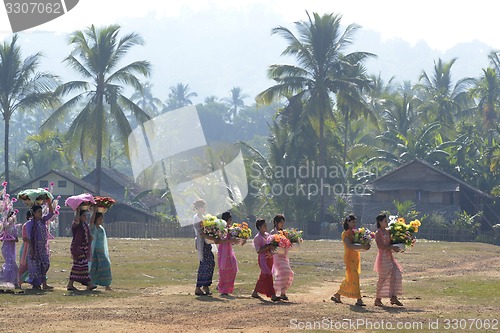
{"x":4,"y":184}
{"x":16,"y":211}
{"x":56,"y":212}
{"x":46,"y":188}
{"x":51,"y":183}
{"x":14,"y":199}
{"x":58,"y":207}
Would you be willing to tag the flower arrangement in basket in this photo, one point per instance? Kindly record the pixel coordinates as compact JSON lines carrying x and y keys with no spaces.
{"x":34,"y":196}
{"x":279,"y":241}
{"x":104,"y":203}
{"x":363,"y":236}
{"x":213,"y":227}
{"x":294,"y":236}
{"x":240,"y":230}
{"x":403,"y":234}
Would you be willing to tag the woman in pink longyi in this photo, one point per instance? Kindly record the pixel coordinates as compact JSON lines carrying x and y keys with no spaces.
{"x":283,"y":274}
{"x":228,"y":265}
{"x":390,"y":280}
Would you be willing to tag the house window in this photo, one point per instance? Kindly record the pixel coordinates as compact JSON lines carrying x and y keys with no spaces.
{"x":61,"y":183}
{"x":436,"y":197}
{"x":44,"y":183}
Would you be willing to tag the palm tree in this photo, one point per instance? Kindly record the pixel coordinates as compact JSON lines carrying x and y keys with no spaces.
{"x":22,"y":87}
{"x":179,"y":96}
{"x":322,"y":69}
{"x":95,"y":56}
{"x":236,"y":102}
{"x":146,"y":101}
{"x":442,"y":101}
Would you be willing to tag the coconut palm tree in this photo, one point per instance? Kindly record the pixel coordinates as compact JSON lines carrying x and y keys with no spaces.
{"x":22,"y":87}
{"x":322,"y":69}
{"x":179,"y":96}
{"x":146,"y":101}
{"x":96,"y":55}
{"x":236,"y":103}
{"x":442,"y":100}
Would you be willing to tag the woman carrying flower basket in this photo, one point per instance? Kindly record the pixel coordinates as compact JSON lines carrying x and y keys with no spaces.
{"x":264,"y":284}
{"x":228,"y":265}
{"x":100,"y":266}
{"x":204,"y":250}
{"x":282,"y":272}
{"x":390,"y":279}
{"x":350,"y":285}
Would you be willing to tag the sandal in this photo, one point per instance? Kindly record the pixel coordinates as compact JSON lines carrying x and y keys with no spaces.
{"x":276,"y":299}
{"x":284,"y":297}
{"x":379,"y":303}
{"x":335,"y":299}
{"x":256,"y":296}
{"x":396,"y":302}
{"x":360,"y":304}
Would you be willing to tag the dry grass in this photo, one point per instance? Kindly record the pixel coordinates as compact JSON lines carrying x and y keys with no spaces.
{"x":154,"y":283}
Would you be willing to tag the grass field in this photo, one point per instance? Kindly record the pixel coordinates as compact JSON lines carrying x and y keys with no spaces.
{"x":448,"y":287}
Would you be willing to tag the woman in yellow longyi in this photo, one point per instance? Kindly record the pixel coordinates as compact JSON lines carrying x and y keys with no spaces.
{"x":350,"y":285}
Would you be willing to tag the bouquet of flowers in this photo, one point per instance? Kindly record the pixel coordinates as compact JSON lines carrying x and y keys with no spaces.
{"x":293,"y":235}
{"x":279,"y":241}
{"x":363,"y":236}
{"x":104,"y":203}
{"x":213,"y":227}
{"x":240,"y":230}
{"x":402,"y":233}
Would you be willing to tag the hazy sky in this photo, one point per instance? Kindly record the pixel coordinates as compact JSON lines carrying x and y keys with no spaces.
{"x":215,"y":45}
{"x":441,"y":24}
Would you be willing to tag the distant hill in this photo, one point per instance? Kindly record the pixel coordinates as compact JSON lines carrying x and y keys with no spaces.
{"x":213,"y":55}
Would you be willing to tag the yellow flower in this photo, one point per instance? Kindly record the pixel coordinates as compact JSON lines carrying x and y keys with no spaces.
{"x":401,"y":220}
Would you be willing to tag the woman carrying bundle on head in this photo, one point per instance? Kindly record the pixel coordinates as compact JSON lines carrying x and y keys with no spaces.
{"x":80,"y":252}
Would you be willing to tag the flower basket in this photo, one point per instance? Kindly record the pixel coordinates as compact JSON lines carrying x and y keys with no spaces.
{"x":104,"y":203}
{"x":402,"y":233}
{"x":363,"y":236}
{"x":401,"y":246}
{"x":241,"y":231}
{"x":102,"y":210}
{"x":213,"y":227}
{"x":280,"y":242}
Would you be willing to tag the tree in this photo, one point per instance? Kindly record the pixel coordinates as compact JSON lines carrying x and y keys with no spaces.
{"x":22,"y":87}
{"x":96,"y":55}
{"x":322,"y":69}
{"x":146,"y":101}
{"x":442,"y":101}
{"x":179,"y":96}
{"x":236,"y":103}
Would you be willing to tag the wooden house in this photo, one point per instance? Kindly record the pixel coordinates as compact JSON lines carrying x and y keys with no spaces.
{"x":66,"y":184}
{"x":431,"y":189}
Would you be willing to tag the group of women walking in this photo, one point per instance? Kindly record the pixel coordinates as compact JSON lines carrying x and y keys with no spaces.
{"x":276,"y":275}
{"x":89,"y":251}
{"x":390,"y":281}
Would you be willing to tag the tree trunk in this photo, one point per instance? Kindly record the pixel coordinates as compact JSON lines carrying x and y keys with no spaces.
{"x":6,"y":148}
{"x":322,"y":159}
{"x":100,"y":124}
